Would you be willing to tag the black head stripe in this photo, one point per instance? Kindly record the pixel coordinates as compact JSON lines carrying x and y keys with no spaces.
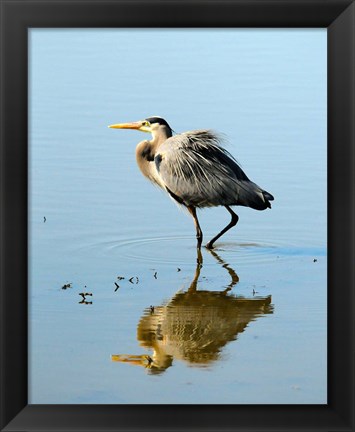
{"x":159,"y":120}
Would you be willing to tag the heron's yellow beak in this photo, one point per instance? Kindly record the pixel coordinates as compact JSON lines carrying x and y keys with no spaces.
{"x":140,"y":360}
{"x":134,"y":125}
{"x":141,"y":126}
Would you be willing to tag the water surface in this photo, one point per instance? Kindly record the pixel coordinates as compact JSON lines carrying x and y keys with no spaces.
{"x":249,"y":325}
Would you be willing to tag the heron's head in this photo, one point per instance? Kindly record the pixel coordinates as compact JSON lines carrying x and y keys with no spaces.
{"x":157,"y":126}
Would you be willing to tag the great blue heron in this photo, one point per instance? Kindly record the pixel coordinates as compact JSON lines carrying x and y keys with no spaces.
{"x":196,"y":171}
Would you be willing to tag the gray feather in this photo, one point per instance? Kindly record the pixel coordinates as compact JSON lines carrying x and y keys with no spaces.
{"x":200,"y":172}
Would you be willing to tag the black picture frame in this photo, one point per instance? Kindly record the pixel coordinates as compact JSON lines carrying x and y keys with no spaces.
{"x":335,"y":15}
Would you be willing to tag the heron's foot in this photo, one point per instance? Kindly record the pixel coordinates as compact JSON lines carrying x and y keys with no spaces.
{"x":209,"y":245}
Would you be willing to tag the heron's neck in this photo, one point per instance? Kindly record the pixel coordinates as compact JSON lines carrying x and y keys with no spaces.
{"x":146,"y":150}
{"x":145,"y":153}
{"x":161,"y":134}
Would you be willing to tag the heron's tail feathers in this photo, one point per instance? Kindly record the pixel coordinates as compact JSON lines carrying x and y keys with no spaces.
{"x":268,"y":197}
{"x":251,"y":195}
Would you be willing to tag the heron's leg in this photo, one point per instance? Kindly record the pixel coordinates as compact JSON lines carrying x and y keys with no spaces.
{"x":193,"y":287}
{"x":199,"y":257}
{"x":231,"y":224}
{"x":192,"y":211}
{"x":231,"y":271}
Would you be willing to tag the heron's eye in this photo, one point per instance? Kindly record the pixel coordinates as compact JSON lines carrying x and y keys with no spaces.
{"x":145,"y":123}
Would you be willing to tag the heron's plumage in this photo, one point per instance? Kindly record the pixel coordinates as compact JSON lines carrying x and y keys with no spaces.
{"x":196,"y":170}
{"x":195,"y":167}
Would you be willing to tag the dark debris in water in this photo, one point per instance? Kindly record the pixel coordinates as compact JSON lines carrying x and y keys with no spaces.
{"x":134,"y":280}
{"x":85,"y":302}
{"x":315,"y":260}
{"x":84,"y":295}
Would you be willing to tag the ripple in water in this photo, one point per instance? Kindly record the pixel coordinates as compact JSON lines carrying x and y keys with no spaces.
{"x":181,"y":250}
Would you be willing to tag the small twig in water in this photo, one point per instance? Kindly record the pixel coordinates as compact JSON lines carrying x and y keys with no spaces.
{"x":83,"y":295}
{"x":85,"y":302}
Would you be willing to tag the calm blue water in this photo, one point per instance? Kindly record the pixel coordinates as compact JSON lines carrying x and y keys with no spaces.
{"x":251,"y":326}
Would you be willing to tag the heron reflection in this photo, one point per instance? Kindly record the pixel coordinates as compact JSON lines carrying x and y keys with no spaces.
{"x":195,"y":325}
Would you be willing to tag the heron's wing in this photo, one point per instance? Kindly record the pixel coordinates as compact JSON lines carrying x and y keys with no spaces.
{"x":198,"y":171}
